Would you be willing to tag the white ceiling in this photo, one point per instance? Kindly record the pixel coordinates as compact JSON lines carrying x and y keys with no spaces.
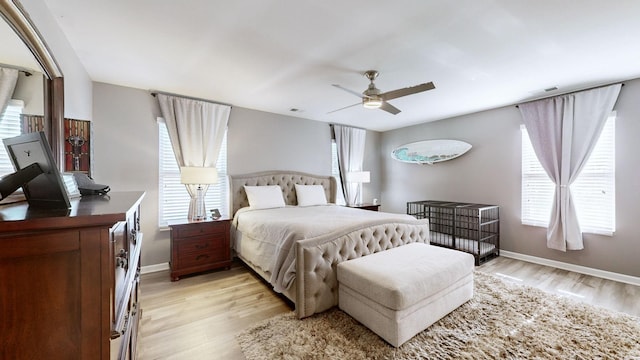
{"x":274,"y":55}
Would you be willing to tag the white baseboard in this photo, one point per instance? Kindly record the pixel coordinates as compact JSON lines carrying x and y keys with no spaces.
{"x":627,"y":279}
{"x":154,"y":268}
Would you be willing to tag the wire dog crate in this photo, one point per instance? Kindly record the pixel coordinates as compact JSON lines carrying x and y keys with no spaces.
{"x":473,"y":228}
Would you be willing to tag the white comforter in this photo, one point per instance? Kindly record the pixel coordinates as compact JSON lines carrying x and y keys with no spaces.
{"x":277,"y":230}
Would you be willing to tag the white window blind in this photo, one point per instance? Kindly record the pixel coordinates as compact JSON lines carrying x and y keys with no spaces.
{"x":593,"y":192}
{"x":9,"y":127}
{"x":335,"y":172}
{"x":173,"y":196}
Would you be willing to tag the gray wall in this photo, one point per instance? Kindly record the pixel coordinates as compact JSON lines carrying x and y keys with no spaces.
{"x":126,"y":151}
{"x":490,"y":173}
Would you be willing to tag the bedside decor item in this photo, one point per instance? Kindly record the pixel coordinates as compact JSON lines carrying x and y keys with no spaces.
{"x":430,"y":151}
{"x":197,"y":175}
{"x":215,"y":214}
{"x":358,"y":177}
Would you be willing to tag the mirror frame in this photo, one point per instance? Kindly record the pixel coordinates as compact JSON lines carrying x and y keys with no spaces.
{"x":17,"y":18}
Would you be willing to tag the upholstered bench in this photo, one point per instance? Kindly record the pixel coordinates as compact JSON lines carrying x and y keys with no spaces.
{"x":399,"y":292}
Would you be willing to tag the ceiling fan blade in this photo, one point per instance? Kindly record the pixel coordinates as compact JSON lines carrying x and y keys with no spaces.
{"x":348,"y":90}
{"x":346,"y":107}
{"x":407,"y":91}
{"x":389,"y":108}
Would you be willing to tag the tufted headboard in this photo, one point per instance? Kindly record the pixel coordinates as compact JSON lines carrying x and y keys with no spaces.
{"x":285,"y":179}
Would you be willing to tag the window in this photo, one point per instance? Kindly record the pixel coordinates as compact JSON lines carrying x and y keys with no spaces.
{"x":335,"y":172}
{"x":9,"y":127}
{"x":173,"y":196}
{"x":593,"y":192}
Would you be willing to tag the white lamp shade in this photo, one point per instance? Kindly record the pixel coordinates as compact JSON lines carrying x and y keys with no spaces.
{"x":358,"y":177}
{"x":198,"y":175}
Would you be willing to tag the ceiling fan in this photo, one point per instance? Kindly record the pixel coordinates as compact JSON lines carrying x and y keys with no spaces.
{"x":373,"y":98}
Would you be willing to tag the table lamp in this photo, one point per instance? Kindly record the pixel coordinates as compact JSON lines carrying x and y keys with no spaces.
{"x":358,"y":177}
{"x":198,"y":175}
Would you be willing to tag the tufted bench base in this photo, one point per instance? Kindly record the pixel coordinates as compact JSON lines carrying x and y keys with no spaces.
{"x":399,"y":292}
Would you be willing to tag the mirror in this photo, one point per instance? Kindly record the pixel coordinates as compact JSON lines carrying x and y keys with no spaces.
{"x":29,"y":52}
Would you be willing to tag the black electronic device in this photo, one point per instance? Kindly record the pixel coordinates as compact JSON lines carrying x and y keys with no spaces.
{"x":46,"y":188}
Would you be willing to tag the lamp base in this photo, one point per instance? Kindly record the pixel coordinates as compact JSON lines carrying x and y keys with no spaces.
{"x":196,"y":206}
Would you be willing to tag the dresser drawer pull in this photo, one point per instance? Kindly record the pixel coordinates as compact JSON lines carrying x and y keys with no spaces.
{"x":203,"y":256}
{"x":134,"y":236}
{"x":202,"y":246}
{"x":121,"y":259}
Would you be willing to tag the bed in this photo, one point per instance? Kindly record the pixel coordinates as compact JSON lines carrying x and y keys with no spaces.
{"x":299,"y":261}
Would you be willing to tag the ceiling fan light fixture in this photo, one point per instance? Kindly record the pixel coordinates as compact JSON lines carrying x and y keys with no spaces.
{"x":373,"y":102}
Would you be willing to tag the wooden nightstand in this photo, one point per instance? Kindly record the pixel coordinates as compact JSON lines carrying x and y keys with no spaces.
{"x":199,"y":246}
{"x":365,"y":206}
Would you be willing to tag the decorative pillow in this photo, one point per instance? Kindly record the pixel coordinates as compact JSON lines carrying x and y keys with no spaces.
{"x":264,"y":197}
{"x":309,"y":195}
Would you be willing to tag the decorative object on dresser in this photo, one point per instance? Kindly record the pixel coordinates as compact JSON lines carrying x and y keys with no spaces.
{"x":474,"y":228}
{"x":198,"y":175}
{"x":36,"y":172}
{"x":365,"y":206}
{"x":199,"y":246}
{"x":70,"y":279}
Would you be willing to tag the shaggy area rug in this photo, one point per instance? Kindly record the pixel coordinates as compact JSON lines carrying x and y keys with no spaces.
{"x":502,"y":321}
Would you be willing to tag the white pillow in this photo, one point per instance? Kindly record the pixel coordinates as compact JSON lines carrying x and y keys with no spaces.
{"x":309,"y":195}
{"x":264,"y":197}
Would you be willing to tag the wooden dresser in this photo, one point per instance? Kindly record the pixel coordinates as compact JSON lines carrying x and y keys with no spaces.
{"x":69,"y":279}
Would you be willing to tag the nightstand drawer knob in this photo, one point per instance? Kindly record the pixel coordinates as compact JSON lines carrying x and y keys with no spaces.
{"x":203,"y":256}
{"x":202,"y":246}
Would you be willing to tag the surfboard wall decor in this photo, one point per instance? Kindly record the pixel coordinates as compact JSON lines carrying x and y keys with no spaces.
{"x":430,"y":151}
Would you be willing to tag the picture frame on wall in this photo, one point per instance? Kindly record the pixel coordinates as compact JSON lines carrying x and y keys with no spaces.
{"x":77,"y":141}
{"x":77,"y":146}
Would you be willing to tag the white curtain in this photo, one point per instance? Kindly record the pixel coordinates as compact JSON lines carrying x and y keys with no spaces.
{"x":563,"y":131}
{"x":196,"y":129}
{"x":8,"y":80}
{"x":350,"y":144}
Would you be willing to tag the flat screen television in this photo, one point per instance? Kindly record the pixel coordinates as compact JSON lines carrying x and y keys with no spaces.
{"x":43,"y":187}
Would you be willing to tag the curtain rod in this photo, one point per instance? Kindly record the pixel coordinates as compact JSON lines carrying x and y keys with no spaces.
{"x":571,"y":92}
{"x":27,"y":72}
{"x":155,"y":92}
{"x":355,"y":127}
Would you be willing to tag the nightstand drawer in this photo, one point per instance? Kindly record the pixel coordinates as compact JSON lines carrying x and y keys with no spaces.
{"x":200,"y":245}
{"x":195,"y":258}
{"x":209,"y":228}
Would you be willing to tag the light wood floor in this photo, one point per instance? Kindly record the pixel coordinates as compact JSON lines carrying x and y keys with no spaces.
{"x":199,"y":316}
